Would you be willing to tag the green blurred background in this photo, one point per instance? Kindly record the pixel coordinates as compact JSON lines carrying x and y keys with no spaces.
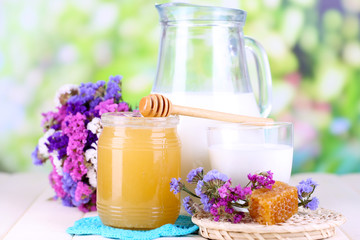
{"x":313,"y":48}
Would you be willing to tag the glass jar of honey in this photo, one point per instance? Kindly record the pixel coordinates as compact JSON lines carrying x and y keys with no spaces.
{"x":137,"y":157}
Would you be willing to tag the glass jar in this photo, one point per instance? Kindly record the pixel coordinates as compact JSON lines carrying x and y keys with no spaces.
{"x":137,"y":157}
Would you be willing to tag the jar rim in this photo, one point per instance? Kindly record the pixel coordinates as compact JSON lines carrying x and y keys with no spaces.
{"x":135,"y":119}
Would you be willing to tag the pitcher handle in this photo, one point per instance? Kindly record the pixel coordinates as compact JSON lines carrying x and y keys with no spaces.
{"x":264,"y":75}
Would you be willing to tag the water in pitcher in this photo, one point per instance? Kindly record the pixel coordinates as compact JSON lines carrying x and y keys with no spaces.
{"x":192,"y":131}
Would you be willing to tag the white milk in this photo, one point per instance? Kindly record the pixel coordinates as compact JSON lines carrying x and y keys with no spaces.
{"x":237,"y":161}
{"x":193,"y":131}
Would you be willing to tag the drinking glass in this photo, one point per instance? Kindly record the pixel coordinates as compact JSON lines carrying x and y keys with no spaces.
{"x":239,"y":149}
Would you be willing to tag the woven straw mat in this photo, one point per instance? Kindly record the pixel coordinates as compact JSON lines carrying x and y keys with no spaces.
{"x":306,"y":224}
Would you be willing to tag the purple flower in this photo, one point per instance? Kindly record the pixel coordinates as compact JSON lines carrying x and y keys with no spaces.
{"x":305,"y":188}
{"x":313,"y":204}
{"x":261,"y":180}
{"x":237,"y":218}
{"x":188,"y":205}
{"x":106,"y":106}
{"x":69,"y":185}
{"x":233,"y":194}
{"x":123,"y":107}
{"x":206,"y":202}
{"x":78,"y":106}
{"x":86,"y":99}
{"x":82,"y":193}
{"x":214,"y":210}
{"x":56,"y":126}
{"x":50,"y":120}
{"x":113,"y":89}
{"x":175,"y":185}
{"x":195,"y":175}
{"x":58,"y":142}
{"x":222,"y":206}
{"x":198,"y":189}
{"x":74,"y":127}
{"x":309,"y":182}
{"x":242,"y":192}
{"x":95,"y":102}
{"x":87,"y":92}
{"x":35,"y":158}
{"x":67,"y":201}
{"x":224,"y":190}
{"x":214,"y":175}
{"x":77,"y":193}
{"x":90,"y":139}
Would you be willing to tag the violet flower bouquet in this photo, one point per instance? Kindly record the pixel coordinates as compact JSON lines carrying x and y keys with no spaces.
{"x":70,"y":139}
{"x":222,"y":202}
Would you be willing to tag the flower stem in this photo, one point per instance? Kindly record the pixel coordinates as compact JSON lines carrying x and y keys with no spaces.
{"x":189,"y":192}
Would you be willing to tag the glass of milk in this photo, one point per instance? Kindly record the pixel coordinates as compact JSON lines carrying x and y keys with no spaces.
{"x":239,"y":149}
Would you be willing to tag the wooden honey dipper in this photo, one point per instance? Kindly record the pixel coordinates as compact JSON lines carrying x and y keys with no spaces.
{"x":156,"y":105}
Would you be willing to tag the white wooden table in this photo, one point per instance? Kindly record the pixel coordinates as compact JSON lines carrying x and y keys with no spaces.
{"x":27,"y":213}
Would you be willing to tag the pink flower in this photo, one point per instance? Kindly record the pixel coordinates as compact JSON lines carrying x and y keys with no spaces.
{"x":90,"y":206}
{"x":74,"y":127}
{"x":123,"y":107}
{"x":223,"y":190}
{"x":82,"y":192}
{"x":107,"y":106}
{"x":110,"y":106}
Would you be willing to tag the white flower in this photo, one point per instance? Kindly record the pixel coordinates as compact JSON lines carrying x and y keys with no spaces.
{"x":43,"y":149}
{"x":91,"y":174}
{"x":65,"y":89}
{"x":57,"y":163}
{"x":95,"y":126}
{"x":91,"y":156}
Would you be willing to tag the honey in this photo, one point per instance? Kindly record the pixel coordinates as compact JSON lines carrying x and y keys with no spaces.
{"x":276,"y":205}
{"x":137,"y":157}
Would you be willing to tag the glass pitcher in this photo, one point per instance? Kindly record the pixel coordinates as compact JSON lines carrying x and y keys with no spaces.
{"x":203,"y":63}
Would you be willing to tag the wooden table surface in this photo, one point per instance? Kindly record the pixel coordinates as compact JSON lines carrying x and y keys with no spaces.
{"x":27,"y":213}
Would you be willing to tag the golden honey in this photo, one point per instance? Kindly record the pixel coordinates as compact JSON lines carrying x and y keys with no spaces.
{"x":137,"y":157}
{"x":276,"y":205}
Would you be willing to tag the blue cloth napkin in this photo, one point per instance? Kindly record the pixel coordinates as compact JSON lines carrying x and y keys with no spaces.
{"x":94,"y":226}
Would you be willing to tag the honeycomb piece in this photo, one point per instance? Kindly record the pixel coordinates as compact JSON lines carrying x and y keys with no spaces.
{"x":276,"y":205}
